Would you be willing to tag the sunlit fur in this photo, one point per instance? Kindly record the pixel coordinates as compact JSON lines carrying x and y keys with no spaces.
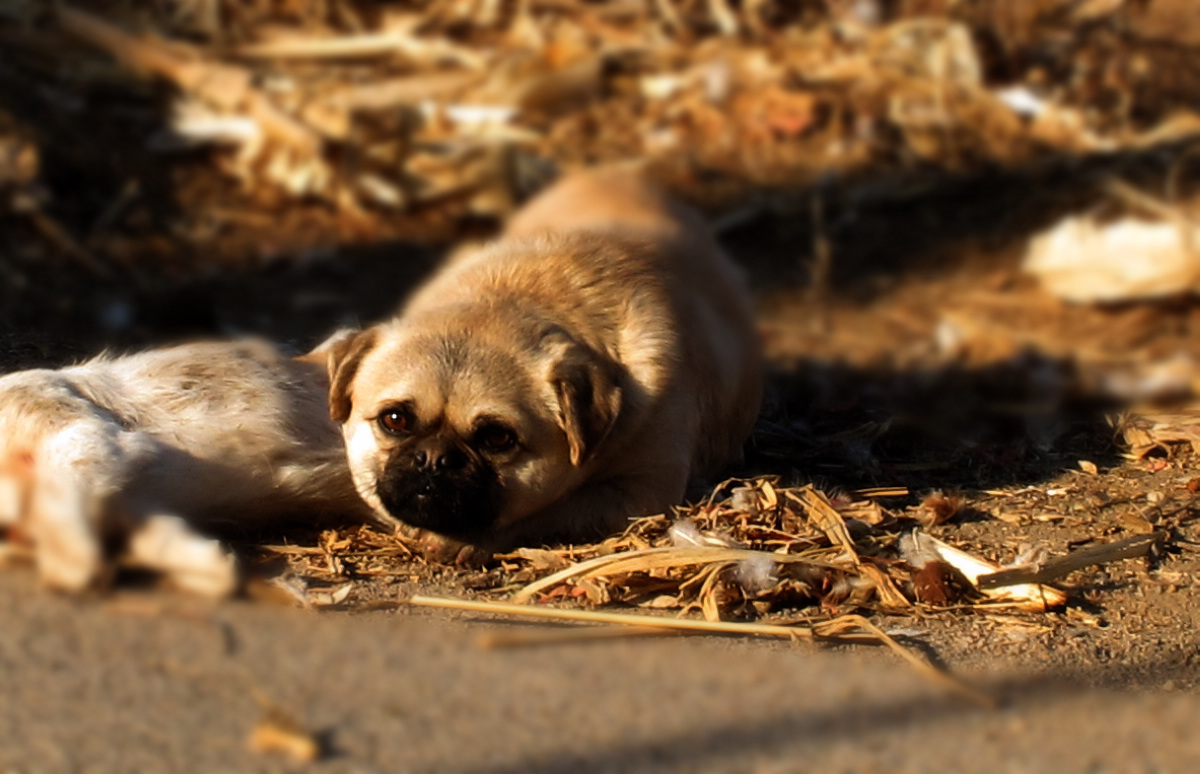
{"x":130,"y":458}
{"x":605,"y":326}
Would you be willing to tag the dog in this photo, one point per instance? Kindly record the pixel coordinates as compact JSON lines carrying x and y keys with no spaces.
{"x":132,"y":459}
{"x":551,"y":385}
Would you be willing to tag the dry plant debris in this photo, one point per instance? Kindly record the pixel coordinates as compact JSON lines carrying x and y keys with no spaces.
{"x":754,"y":559}
{"x":758,"y":551}
{"x":385,"y":108}
{"x":752,"y":552}
{"x":1160,"y":430}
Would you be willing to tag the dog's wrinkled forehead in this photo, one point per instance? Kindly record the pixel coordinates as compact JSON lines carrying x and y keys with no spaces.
{"x":456,"y":377}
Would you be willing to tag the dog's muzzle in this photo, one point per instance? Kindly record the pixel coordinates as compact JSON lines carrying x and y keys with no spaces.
{"x":445,"y":489}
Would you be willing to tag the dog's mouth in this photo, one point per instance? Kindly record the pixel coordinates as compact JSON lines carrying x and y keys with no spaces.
{"x":459,"y":504}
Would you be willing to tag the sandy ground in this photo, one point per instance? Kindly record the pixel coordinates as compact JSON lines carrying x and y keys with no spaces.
{"x":142,"y":683}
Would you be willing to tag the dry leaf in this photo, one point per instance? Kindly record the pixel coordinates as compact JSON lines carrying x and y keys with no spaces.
{"x":279,"y":733}
{"x":938,"y":508}
{"x":1028,"y":596}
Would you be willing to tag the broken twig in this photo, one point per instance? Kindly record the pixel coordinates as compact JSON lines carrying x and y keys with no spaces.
{"x":1139,"y":545}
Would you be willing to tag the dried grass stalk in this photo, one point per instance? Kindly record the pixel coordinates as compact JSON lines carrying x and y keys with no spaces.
{"x":660,"y":559}
{"x":850,"y":628}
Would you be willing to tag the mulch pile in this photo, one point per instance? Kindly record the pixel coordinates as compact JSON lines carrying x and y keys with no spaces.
{"x":467,"y":105}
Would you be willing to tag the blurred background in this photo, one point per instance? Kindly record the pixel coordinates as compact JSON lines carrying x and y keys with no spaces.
{"x":985,"y":200}
{"x":971,"y":227}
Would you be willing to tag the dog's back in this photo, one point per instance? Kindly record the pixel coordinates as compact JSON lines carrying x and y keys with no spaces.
{"x":602,"y":198}
{"x":608,"y":234}
{"x":710,"y":293}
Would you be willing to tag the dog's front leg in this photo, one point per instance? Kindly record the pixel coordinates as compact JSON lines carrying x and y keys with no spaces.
{"x":74,"y":473}
{"x":67,"y":550}
{"x":168,"y":544}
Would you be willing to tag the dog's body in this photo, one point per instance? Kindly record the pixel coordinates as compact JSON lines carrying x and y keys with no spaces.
{"x":126,"y":455}
{"x":572,"y":374}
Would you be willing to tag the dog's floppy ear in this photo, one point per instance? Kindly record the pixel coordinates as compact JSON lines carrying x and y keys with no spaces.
{"x":589,"y":399}
{"x":344,"y":352}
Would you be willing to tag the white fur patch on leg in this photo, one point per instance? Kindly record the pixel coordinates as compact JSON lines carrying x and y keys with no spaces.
{"x":75,"y":471}
{"x":191,"y":561}
{"x":10,"y":500}
{"x":68,"y":551}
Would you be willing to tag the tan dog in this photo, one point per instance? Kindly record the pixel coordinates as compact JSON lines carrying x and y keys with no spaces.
{"x":551,"y":385}
{"x":125,"y":458}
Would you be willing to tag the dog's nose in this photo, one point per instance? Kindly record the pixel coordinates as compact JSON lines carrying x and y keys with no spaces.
{"x":440,"y":460}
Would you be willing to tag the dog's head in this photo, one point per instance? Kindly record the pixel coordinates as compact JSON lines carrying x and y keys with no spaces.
{"x":460,"y":422}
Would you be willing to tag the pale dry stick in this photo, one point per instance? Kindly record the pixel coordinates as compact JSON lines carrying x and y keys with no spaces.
{"x":1139,"y":545}
{"x":623,"y":619}
{"x":369,"y":45}
{"x":870,"y":633}
{"x":220,"y":85}
{"x":883,"y":491}
{"x":661,"y":558}
{"x":890,"y":598}
{"x":403,"y":90}
{"x":293,"y":550}
{"x":399,"y":550}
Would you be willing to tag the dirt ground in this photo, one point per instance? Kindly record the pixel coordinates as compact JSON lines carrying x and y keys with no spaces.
{"x":906,"y":349}
{"x":157,"y":683}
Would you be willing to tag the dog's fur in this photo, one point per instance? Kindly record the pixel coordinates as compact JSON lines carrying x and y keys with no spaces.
{"x":605,"y":332}
{"x":126,"y":458}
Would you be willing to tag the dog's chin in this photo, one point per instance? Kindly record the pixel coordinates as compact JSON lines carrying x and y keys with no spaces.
{"x":463,"y":506}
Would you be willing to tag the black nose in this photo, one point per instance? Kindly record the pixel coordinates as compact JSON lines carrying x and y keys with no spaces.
{"x":439,"y":460}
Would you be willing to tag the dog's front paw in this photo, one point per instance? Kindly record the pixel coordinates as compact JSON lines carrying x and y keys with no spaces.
{"x":445,"y":550}
{"x":194,"y":563}
{"x":67,"y":550}
{"x":70,"y":565}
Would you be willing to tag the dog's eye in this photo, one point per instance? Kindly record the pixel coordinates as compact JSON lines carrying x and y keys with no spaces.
{"x":396,"y":421}
{"x":495,"y":438}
